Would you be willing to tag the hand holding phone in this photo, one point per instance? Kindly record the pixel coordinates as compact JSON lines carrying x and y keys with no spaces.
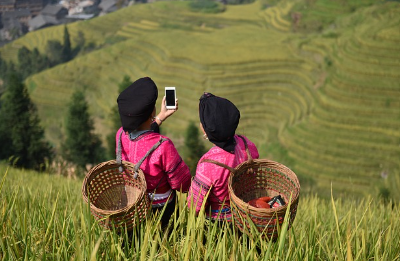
{"x":170,"y":98}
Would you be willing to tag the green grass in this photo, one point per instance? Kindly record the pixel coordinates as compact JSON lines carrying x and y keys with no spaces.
{"x":44,"y":217}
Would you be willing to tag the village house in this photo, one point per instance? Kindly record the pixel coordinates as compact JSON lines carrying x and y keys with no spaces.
{"x":108,"y":6}
{"x":49,"y":16}
{"x":14,"y":23}
{"x":7,"y":5}
{"x":56,"y":11}
{"x":35,"y":6}
{"x":18,"y":17}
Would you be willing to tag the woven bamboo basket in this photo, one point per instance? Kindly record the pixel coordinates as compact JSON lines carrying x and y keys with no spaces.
{"x":258,"y":178}
{"x":117,"y":199}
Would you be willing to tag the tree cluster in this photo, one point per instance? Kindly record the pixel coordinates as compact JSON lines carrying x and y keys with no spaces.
{"x":21,"y":136}
{"x":58,"y":52}
{"x":32,"y":61}
{"x":194,"y":147}
{"x":81,"y":146}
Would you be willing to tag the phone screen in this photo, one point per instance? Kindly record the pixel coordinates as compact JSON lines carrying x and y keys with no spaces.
{"x":170,"y":97}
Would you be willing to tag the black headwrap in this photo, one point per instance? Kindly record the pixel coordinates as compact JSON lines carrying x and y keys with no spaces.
{"x":136,"y":103}
{"x":219,"y":118}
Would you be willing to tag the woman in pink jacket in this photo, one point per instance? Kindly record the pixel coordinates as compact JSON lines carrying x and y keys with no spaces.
{"x":164,"y":169}
{"x":219,"y":119}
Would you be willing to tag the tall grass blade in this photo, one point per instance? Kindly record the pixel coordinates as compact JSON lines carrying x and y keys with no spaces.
{"x":3,"y":179}
{"x":96,"y":247}
{"x":51,"y":219}
{"x":336,"y":221}
{"x":284,"y":229}
{"x":348,"y":240}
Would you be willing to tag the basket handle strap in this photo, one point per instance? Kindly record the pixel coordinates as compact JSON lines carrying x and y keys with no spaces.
{"x":119,"y":152}
{"x":219,"y":164}
{"x":137,"y":165}
{"x":250,"y":158}
{"x":155,"y":146}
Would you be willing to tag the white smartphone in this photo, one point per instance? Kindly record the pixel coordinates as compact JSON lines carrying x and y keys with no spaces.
{"x":170,"y":97}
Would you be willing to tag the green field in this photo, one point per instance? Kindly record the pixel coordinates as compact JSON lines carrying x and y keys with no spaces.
{"x":43,"y":217}
{"x":322,"y":97}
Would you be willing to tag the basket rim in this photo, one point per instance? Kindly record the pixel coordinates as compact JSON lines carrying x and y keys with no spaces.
{"x":110,"y":163}
{"x":249,"y":163}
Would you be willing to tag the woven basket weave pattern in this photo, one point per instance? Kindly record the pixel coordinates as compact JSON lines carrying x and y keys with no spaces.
{"x":259,"y":178}
{"x":116,"y":199}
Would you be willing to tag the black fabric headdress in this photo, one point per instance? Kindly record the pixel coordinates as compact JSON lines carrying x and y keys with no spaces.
{"x":136,"y":103}
{"x":219,"y":118}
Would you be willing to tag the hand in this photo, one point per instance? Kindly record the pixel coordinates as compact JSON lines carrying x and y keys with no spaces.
{"x":164,"y":113}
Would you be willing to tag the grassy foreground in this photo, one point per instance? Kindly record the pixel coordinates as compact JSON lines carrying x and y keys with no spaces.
{"x":43,"y":217}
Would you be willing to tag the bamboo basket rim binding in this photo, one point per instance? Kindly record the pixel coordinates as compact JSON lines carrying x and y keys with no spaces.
{"x":259,"y":178}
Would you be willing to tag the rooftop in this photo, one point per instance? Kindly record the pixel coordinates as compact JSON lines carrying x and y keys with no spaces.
{"x":42,"y":20}
{"x":51,"y":9}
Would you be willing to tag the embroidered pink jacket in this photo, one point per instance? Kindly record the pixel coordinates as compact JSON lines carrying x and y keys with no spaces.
{"x":211,"y":175}
{"x":164,"y":168}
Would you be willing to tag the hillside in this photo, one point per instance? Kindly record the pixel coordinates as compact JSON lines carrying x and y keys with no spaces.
{"x":321,"y":96}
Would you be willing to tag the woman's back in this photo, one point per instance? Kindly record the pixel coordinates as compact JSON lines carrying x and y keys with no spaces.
{"x":164,"y":169}
{"x":210,"y":175}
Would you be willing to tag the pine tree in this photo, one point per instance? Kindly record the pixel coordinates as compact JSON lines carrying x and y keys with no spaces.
{"x":30,"y":62}
{"x":21,"y":134}
{"x":81,"y":145}
{"x":66,"y":49}
{"x":115,"y":119}
{"x":54,"y":51}
{"x":3,"y":72}
{"x":25,"y":63}
{"x":39,"y":62}
{"x":194,"y":147}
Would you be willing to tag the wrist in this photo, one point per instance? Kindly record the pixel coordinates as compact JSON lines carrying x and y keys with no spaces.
{"x":161,"y":117}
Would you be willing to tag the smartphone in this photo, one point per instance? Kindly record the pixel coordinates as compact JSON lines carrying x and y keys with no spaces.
{"x":170,"y":97}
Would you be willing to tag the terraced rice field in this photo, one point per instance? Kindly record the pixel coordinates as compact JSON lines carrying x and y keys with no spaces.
{"x":327,"y":104}
{"x":354,"y":127}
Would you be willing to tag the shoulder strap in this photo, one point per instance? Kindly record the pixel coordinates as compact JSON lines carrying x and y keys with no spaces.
{"x":155,"y":146}
{"x":219,"y":164}
{"x":119,"y":152}
{"x":232,"y":170}
{"x":250,"y":158}
{"x":137,"y":165}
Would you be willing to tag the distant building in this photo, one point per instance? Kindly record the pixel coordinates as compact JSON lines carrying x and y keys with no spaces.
{"x":42,"y":21}
{"x":108,"y":6}
{"x":49,"y":16}
{"x":34,"y":5}
{"x":56,"y":11}
{"x":84,"y":7}
{"x":22,"y":15}
{"x":15,"y":23}
{"x":12,"y":5}
{"x":77,"y":17}
{"x":7,"y":5}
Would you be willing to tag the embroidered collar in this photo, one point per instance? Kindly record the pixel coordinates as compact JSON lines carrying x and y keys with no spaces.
{"x":135,"y":134}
